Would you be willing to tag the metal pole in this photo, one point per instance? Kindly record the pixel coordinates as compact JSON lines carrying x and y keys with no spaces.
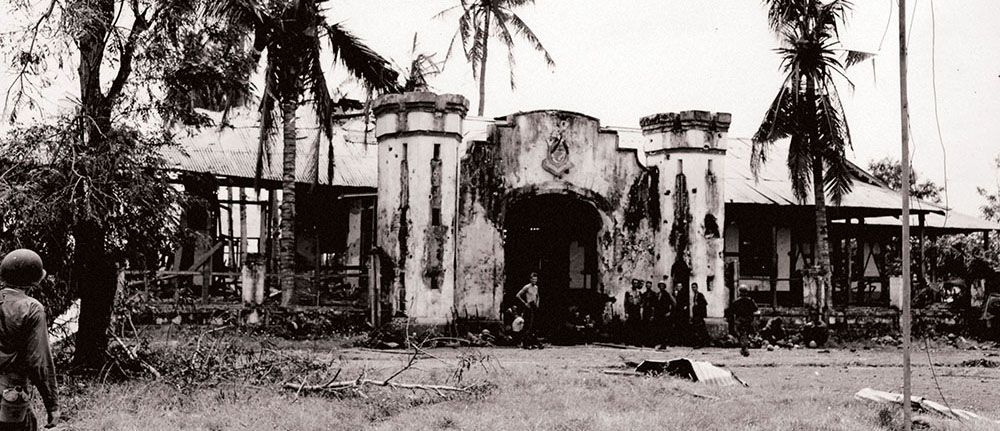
{"x":905,"y":162}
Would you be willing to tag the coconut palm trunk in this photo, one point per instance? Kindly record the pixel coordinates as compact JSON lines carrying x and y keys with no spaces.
{"x":482,"y":64}
{"x":287,"y":250}
{"x":822,"y":250}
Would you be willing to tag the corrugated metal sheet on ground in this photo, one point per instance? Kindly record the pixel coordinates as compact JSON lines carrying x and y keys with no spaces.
{"x":233,"y":152}
{"x":699,"y":371}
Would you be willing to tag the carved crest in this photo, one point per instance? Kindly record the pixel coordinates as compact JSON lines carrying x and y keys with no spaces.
{"x":557,"y":157}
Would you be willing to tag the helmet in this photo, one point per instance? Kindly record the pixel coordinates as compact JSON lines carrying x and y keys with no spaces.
{"x":21,"y":267}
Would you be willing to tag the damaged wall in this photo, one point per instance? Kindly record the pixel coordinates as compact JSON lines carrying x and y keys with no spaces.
{"x":689,"y":150}
{"x":551,"y":152}
{"x":442,"y":207}
{"x":418,"y":138}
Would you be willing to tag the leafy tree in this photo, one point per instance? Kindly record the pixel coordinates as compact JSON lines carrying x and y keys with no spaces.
{"x":293,"y":34}
{"x":135,"y":62}
{"x":890,"y":172}
{"x":481,"y":19}
{"x":991,"y":210}
{"x":808,"y":111}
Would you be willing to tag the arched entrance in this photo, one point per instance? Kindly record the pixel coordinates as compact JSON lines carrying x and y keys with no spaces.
{"x":556,"y":236}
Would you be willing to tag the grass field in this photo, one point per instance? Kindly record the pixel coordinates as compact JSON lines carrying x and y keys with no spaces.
{"x":557,"y":388}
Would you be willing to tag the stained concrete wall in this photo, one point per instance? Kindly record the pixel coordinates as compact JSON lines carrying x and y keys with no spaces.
{"x":456,"y":269}
{"x":689,"y":150}
{"x":514,"y":163}
{"x":418,"y":138}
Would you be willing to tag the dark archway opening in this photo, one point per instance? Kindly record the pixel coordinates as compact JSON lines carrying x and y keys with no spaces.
{"x":554,"y":235}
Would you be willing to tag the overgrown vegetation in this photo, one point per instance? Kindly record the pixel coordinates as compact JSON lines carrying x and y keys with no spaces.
{"x":225,"y":380}
{"x":54,"y":189}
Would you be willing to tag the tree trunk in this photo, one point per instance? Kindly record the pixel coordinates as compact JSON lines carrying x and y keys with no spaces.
{"x":93,"y":271}
{"x":822,"y":251}
{"x":286,"y":253}
{"x":482,"y":65}
{"x":96,"y":280}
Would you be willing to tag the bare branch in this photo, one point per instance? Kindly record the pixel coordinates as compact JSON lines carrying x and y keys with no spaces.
{"x":19,"y":78}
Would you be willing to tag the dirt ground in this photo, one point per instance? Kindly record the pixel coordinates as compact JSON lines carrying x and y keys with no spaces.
{"x":557,"y":388}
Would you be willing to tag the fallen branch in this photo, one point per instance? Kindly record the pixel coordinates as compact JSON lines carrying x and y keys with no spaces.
{"x":348,"y":384}
{"x":135,"y":357}
{"x":622,"y":372}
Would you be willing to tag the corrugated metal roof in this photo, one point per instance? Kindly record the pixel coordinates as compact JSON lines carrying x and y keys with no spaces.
{"x":232,"y":152}
{"x":772,"y":186}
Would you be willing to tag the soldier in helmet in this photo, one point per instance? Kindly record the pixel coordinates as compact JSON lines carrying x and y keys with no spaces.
{"x":24,"y":344}
{"x":743,"y":310}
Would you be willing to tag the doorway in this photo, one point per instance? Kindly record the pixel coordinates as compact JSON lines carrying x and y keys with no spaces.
{"x":554,"y":235}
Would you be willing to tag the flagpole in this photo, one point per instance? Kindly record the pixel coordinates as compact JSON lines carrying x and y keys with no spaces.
{"x":905,"y":219}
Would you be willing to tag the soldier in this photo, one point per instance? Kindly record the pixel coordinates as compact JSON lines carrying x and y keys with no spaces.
{"x":649,"y":298}
{"x":661,"y":314}
{"x":528,"y":295}
{"x":24,"y":345}
{"x":633,"y":312}
{"x":699,"y":311}
{"x":743,"y":310}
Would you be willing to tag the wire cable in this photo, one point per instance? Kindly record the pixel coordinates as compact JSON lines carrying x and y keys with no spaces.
{"x":927,"y":350}
{"x":937,"y":117}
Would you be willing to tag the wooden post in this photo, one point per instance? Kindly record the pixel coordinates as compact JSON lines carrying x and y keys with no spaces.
{"x":316,"y":263}
{"x":230,"y":218}
{"x":243,"y":227}
{"x":206,"y":269}
{"x":905,"y":162}
{"x":922,"y":232}
{"x":774,"y":266}
{"x":849,"y":246}
{"x":145,"y":285}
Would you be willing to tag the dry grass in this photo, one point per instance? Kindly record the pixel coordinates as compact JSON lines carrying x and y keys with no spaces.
{"x":550,"y":389}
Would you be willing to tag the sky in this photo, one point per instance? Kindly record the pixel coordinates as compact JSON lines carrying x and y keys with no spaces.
{"x":621,"y":60}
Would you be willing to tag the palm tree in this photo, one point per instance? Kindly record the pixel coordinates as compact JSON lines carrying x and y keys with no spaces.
{"x":293,"y":33}
{"x":422,"y":66}
{"x":808,"y":110}
{"x":474,"y":28}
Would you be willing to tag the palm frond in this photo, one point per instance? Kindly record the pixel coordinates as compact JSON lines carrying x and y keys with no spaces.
{"x":800,"y":162}
{"x":855,"y":57}
{"x":361,"y":61}
{"x":268,"y":132}
{"x":507,"y":39}
{"x":522,"y":29}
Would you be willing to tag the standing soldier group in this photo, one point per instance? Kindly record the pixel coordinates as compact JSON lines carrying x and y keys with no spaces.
{"x":656,"y":316}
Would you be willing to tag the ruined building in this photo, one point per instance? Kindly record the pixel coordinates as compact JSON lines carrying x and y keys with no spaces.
{"x":462,"y":223}
{"x":441,"y":218}
{"x":468,"y":208}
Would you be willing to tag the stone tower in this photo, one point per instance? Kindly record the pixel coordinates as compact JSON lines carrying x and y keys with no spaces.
{"x":688,"y":150}
{"x":418,"y":141}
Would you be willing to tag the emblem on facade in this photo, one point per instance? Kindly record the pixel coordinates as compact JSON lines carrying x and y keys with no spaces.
{"x":557,"y":158}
